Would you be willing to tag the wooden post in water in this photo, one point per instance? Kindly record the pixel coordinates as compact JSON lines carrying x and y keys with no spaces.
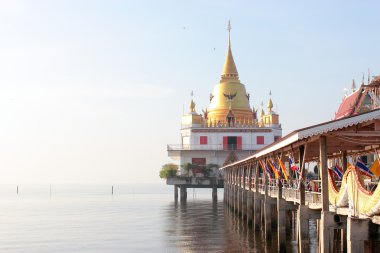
{"x":302,"y":212}
{"x":183,"y":193}
{"x":228,"y":188}
{"x":326,"y":218}
{"x":267,"y":210}
{"x":234,"y":176}
{"x":281,"y":219}
{"x":17,"y":189}
{"x":175,"y":193}
{"x":240,"y":202}
{"x":214,"y":193}
{"x":249,"y":196}
{"x":257,"y":201}
{"x":112,"y":190}
{"x":243,"y":193}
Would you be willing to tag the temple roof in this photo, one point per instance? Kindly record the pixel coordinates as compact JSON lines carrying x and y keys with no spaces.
{"x":230,"y":93}
{"x":348,"y":105}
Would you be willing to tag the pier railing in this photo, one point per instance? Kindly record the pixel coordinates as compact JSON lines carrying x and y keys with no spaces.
{"x":290,"y":188}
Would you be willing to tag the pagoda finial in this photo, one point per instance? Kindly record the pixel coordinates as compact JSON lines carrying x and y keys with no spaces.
{"x":262,"y":113}
{"x":353,"y":87}
{"x":369,"y":76}
{"x":363,"y":79}
{"x":192,"y":104}
{"x":229,"y":68}
{"x":270,"y":105}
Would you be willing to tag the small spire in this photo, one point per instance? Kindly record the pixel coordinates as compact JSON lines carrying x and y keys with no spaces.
{"x":229,"y":68}
{"x":270,"y":105}
{"x":353,"y":87}
{"x":192,"y":106}
{"x":369,"y":76}
{"x":363,"y":79}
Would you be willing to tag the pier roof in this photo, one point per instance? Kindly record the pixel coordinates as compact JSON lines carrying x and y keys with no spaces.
{"x":354,"y":134}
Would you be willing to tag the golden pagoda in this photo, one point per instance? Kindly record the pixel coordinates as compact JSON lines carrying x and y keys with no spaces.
{"x":230,"y":94}
{"x":270,"y":118}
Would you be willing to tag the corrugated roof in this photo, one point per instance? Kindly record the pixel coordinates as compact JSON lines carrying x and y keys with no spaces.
{"x":315,"y":130}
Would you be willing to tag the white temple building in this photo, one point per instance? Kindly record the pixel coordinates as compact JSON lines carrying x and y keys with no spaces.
{"x":229,"y":129}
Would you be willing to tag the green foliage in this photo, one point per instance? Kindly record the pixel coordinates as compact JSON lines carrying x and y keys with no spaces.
{"x":208,"y":168}
{"x":187,"y":167}
{"x":168,"y":170}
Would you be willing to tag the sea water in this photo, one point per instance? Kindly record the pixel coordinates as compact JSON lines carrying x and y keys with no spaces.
{"x":135,"y":218}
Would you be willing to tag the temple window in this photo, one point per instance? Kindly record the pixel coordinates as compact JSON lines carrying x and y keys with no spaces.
{"x":203,"y":140}
{"x":260,"y":140}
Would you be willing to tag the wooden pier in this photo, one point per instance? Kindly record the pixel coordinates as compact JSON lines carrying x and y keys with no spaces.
{"x":265,"y":202}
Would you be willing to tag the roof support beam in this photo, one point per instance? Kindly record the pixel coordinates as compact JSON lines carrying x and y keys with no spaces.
{"x":301,"y":160}
{"x":323,"y":173}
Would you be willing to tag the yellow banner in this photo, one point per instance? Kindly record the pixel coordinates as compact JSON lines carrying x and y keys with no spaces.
{"x":375,"y":168}
{"x":283,"y":169}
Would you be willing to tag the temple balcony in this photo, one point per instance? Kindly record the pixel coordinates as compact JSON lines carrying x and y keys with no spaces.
{"x":213,"y":147}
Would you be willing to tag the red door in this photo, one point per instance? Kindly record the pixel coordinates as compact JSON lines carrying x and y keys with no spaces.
{"x":225,"y":143}
{"x":238,"y":142}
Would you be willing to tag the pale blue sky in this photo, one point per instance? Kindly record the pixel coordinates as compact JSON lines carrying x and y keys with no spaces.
{"x":92,"y":91}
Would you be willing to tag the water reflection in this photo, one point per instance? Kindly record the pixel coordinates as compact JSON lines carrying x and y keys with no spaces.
{"x":201,"y":225}
{"x":206,"y":226}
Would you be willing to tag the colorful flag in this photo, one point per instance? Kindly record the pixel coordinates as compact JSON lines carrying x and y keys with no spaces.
{"x":375,"y":168}
{"x":266,"y":169}
{"x":283,"y":169}
{"x":292,"y":165}
{"x":338,"y":171}
{"x":272,"y":165}
{"x":363,"y":169}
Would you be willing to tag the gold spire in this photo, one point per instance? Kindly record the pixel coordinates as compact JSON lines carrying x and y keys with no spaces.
{"x":270,"y":105}
{"x":192,"y":106}
{"x":262,"y":113}
{"x":229,"y":68}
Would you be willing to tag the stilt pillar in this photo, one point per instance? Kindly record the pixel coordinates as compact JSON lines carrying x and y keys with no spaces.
{"x":256,"y":201}
{"x":281,"y":226}
{"x":301,"y":183}
{"x":325,"y":237}
{"x":249,"y":197}
{"x":243,"y":193}
{"x":281,"y":220}
{"x":303,"y":229}
{"x":257,"y":211}
{"x":175,"y":193}
{"x":326,"y":217}
{"x":249,"y":207}
{"x":357,"y":234}
{"x":267,"y":219}
{"x":214,"y":193}
{"x":183,"y":193}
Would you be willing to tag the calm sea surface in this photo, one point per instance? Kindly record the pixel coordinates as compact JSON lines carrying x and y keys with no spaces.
{"x":137,"y":218}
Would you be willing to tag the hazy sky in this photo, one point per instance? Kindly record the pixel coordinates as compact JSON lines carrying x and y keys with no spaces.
{"x":92,"y":91}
